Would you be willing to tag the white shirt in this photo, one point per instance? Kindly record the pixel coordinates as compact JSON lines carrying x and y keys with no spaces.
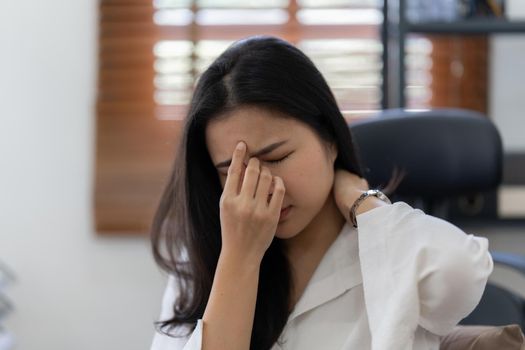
{"x":398,"y":282}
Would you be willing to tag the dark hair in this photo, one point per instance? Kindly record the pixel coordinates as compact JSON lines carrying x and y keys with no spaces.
{"x":259,"y":71}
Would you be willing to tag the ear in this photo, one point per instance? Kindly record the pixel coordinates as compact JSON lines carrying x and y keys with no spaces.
{"x":333,"y":152}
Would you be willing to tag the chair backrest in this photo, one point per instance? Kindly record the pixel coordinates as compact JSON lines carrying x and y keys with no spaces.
{"x":444,"y":151}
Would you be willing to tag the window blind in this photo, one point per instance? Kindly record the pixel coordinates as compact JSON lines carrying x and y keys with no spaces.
{"x":341,"y":37}
{"x":152,"y":52}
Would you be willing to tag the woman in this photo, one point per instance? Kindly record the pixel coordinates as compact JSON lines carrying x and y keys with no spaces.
{"x":271,"y":238}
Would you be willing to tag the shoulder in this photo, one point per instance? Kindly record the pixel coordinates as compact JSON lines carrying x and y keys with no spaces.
{"x":171,"y":292}
{"x":400,"y":216}
{"x":169,"y":298}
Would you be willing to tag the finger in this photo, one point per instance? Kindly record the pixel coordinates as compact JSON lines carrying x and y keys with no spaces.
{"x":265,"y":181}
{"x":270,"y":191}
{"x":251,"y":177}
{"x":231,"y":186}
{"x":276,"y":201}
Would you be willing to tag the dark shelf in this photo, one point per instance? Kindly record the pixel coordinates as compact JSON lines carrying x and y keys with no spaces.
{"x":473,"y":26}
{"x":395,"y":29}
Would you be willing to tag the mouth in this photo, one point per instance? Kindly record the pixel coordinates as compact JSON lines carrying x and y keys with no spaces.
{"x":284,"y":212}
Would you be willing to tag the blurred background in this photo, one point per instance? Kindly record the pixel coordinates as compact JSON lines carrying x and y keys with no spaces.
{"x":93,"y":95}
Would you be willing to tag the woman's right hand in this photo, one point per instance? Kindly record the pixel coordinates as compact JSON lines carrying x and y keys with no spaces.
{"x":248,"y":218}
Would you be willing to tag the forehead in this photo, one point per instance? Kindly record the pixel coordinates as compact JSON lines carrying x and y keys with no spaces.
{"x":255,"y":126}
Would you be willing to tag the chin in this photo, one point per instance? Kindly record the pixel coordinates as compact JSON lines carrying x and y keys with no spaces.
{"x":287,"y":230}
{"x":285,"y":234}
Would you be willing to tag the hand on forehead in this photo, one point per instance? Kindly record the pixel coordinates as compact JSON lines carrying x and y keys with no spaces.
{"x":259,"y":129}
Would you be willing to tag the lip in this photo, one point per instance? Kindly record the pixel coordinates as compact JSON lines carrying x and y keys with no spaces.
{"x":285,"y":212}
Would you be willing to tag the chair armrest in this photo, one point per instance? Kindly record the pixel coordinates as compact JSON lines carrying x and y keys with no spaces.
{"x":508,"y":337}
{"x":515,"y":261}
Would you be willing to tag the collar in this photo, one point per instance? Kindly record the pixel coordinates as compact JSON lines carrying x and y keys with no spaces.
{"x":338,"y":271}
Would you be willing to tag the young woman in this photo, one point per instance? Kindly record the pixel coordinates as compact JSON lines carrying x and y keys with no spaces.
{"x":271,"y":237}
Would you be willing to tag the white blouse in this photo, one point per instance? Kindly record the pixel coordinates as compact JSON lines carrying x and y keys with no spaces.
{"x":398,"y":282}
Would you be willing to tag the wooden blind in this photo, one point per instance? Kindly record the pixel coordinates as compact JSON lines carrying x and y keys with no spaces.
{"x":460,"y":71}
{"x":447,"y":71}
{"x":151,"y":53}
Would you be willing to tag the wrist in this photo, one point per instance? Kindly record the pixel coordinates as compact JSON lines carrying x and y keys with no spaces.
{"x":369,"y":203}
{"x":232,"y":259}
{"x":366,"y":201}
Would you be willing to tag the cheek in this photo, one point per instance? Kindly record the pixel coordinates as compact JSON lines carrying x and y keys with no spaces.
{"x":310,"y":179}
{"x":295,"y":180}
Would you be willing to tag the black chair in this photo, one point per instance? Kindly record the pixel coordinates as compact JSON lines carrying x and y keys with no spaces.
{"x":445,"y":153}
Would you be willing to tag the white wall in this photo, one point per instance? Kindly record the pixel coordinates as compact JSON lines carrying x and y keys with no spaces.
{"x":507,"y":102}
{"x":507,"y":110}
{"x":75,"y":290}
{"x":506,"y":77}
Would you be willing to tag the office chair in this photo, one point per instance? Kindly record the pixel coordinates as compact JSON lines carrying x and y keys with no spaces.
{"x":445,"y":153}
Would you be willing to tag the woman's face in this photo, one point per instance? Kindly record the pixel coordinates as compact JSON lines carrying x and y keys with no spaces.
{"x":300,"y":158}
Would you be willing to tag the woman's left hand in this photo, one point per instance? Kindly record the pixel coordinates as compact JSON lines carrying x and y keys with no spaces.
{"x":347,"y":188}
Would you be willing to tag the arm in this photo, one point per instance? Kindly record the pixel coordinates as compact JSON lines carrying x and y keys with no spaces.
{"x":452,"y":274}
{"x":232,"y":298}
{"x":446,"y":268}
{"x":428,"y":260}
{"x":250,"y":207}
{"x":229,"y":314}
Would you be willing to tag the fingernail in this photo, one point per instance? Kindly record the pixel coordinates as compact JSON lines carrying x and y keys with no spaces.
{"x":240,"y":146}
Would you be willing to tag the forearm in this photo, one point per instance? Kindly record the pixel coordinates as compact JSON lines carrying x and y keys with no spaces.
{"x":229,"y":314}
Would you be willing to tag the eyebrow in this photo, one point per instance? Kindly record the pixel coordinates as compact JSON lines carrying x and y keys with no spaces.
{"x":260,"y":152}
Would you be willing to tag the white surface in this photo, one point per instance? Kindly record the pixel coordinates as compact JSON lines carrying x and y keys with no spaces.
{"x":515,"y":9}
{"x":506,"y":93}
{"x":507,"y":110}
{"x":511,"y":201}
{"x":74,"y":290}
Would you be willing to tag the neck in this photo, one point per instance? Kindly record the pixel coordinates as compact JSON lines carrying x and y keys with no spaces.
{"x":306,"y":249}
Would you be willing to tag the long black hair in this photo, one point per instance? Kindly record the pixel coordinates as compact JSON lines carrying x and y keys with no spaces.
{"x":186,"y":233}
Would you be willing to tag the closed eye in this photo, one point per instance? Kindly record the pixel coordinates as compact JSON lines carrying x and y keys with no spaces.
{"x":278,"y":160}
{"x":267,"y":161}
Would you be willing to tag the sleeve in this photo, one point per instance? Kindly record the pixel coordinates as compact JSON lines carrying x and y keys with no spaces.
{"x":428,"y":269}
{"x":164,"y":342}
